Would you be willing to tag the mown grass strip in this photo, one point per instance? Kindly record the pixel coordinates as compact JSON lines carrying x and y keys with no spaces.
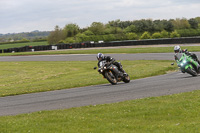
{"x":111,"y":50}
{"x":28,"y":77}
{"x":15,"y":45}
{"x":178,"y":113}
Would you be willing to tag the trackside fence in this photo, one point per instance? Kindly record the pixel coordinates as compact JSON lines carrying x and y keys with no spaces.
{"x":104,"y":44}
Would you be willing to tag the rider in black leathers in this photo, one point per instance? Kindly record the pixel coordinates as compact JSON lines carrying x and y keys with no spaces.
{"x":109,"y":60}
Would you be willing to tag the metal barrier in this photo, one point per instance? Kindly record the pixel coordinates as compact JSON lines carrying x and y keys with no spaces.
{"x":104,"y":44}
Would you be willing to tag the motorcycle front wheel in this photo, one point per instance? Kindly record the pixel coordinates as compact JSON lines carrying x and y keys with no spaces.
{"x":111,"y":78}
{"x":126,"y":79}
{"x":191,"y":71}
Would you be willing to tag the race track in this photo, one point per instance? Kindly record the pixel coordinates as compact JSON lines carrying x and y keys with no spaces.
{"x":86,"y":57}
{"x":61,"y":99}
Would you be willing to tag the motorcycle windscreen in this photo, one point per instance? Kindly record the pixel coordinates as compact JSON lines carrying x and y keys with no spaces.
{"x":178,"y":56}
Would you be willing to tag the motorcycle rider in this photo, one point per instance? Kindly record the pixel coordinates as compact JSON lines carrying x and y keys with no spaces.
{"x":177,"y":49}
{"x":109,"y":60}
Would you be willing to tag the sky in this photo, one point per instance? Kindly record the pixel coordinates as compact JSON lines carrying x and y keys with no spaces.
{"x":28,"y":15}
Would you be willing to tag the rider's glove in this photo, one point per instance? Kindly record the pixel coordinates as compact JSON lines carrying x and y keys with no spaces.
{"x":99,"y":69}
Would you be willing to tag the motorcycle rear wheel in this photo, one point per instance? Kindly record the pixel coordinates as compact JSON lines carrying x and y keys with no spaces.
{"x":111,"y":78}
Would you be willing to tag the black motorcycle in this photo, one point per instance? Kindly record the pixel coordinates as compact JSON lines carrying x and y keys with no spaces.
{"x":112,"y":73}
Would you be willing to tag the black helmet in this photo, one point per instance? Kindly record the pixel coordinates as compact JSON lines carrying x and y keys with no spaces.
{"x":100,"y":56}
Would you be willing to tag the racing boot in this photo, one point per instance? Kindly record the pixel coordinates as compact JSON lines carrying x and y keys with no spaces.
{"x":198,"y":61}
{"x":195,"y":57}
{"x":124,"y":73}
{"x":198,"y":69}
{"x":120,"y":67}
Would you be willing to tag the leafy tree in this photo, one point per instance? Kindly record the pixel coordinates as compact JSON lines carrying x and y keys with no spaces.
{"x":119,"y":30}
{"x":157,"y":25}
{"x":115,"y":23}
{"x":108,"y":38}
{"x":145,"y":35}
{"x":71,"y":30}
{"x":88,"y":33}
{"x":112,"y":30}
{"x":97,"y":28}
{"x":148,"y":25}
{"x":55,"y":36}
{"x":108,"y":30}
{"x":193,"y":23}
{"x":116,"y":30}
{"x":130,"y":28}
{"x":140,"y":26}
{"x":181,"y":23}
{"x":197,"y":19}
{"x":144,"y":25}
{"x":111,"y":37}
{"x":168,"y":26}
{"x":125,"y":24}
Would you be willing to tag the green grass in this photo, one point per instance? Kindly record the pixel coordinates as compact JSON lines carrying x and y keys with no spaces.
{"x":28,"y":77}
{"x":15,"y":45}
{"x":115,"y":50}
{"x":178,"y":113}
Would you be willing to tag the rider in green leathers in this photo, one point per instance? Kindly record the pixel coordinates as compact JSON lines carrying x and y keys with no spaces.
{"x":177,"y":49}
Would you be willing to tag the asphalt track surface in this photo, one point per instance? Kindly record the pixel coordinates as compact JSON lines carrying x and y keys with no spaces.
{"x":100,"y":94}
{"x":86,"y":57}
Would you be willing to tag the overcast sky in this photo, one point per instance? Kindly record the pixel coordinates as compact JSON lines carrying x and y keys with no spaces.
{"x":29,"y":15}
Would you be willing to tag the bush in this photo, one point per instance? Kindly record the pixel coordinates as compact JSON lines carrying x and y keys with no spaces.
{"x":174,"y":34}
{"x":156,"y":35}
{"x":81,"y":37}
{"x":131,"y":36}
{"x":189,"y":32}
{"x":108,"y":38}
{"x":164,"y":34}
{"x":69,"y":40}
{"x":145,"y":35}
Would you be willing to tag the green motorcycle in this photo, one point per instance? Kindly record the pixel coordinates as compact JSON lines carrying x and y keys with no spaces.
{"x":187,"y":64}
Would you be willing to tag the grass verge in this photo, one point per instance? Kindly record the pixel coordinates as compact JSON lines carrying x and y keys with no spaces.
{"x":178,"y":113}
{"x":115,"y":50}
{"x":28,"y":77}
{"x":15,"y":45}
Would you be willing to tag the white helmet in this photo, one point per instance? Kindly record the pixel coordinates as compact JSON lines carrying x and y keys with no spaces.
{"x":177,"y":49}
{"x":100,"y":56}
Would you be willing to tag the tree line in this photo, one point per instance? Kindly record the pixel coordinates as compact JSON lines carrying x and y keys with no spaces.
{"x":118,"y":30}
{"x":24,"y":37}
